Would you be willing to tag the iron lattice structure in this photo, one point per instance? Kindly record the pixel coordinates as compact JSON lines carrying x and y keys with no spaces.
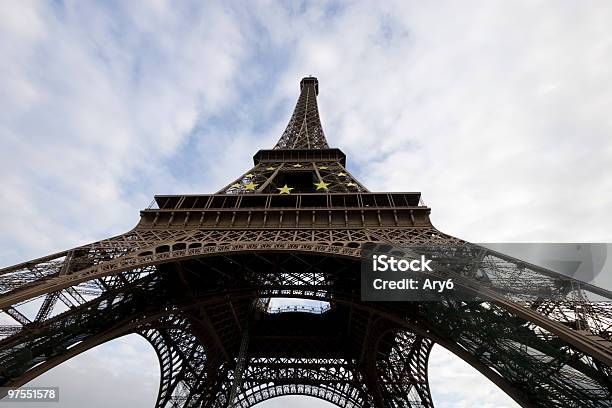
{"x":196,"y":275}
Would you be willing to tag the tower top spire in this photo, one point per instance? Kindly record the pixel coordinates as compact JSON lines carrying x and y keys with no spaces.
{"x":309,"y":80}
{"x":304,"y":130}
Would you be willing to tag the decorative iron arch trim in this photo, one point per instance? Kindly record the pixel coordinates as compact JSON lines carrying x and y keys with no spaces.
{"x":295,"y":389}
{"x":132,"y":261}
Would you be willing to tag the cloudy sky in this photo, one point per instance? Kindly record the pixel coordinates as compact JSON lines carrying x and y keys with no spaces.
{"x":498,"y":111}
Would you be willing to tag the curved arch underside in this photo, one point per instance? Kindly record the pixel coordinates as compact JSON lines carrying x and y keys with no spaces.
{"x":195,"y":311}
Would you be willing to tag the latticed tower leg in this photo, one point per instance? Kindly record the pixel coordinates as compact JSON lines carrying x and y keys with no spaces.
{"x":402,"y":370}
{"x":396,"y":366}
{"x":183,"y":361}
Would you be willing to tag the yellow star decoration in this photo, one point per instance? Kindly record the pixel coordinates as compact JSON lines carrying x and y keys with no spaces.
{"x":270,"y":168}
{"x":323,"y":168}
{"x":351,"y":184}
{"x":284,"y":189}
{"x":297,"y":165}
{"x":237,"y":185}
{"x":251,"y":186}
{"x":248,"y":175}
{"x":321,"y":185}
{"x":342,"y":174}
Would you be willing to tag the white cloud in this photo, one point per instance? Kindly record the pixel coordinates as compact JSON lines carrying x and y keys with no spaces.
{"x":496,"y":111}
{"x":455,"y":384}
{"x":120,"y":373}
{"x":92,"y":97}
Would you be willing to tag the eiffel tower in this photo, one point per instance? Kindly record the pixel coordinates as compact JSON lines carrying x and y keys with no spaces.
{"x":198,"y":275}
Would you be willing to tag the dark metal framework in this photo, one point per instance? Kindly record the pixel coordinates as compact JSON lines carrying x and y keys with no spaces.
{"x":196,"y":274}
